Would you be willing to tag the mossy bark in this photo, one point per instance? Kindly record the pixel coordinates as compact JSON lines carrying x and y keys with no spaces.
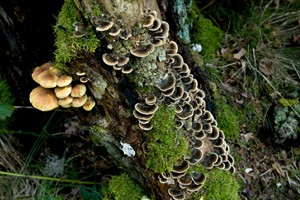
{"x":116,"y":93}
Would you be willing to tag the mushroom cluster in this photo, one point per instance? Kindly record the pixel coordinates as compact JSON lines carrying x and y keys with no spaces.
{"x":175,"y":86}
{"x":152,"y":33}
{"x":56,"y":90}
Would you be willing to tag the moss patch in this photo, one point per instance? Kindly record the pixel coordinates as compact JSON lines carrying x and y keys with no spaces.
{"x":220,"y":185}
{"x":67,"y":44}
{"x":203,"y":31}
{"x":123,"y":187}
{"x":228,"y":117}
{"x":166,"y":145}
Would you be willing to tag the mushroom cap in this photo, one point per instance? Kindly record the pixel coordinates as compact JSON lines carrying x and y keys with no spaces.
{"x":78,"y":90}
{"x":172,"y":48}
{"x":64,"y":80}
{"x":109,"y":59}
{"x":198,"y":178}
{"x":145,"y":127}
{"x":104,"y":25}
{"x":62,"y":92}
{"x":39,"y":70}
{"x":89,"y":105}
{"x":127,"y":69}
{"x":47,"y":79}
{"x":148,"y":21}
{"x":123,"y":61}
{"x":164,"y":33}
{"x":142,"y":51}
{"x":167,"y":82}
{"x":156,"y":25}
{"x":145,"y":109}
{"x":65,"y":101}
{"x":43,"y":99}
{"x":185,"y":180}
{"x":181,"y":167}
{"x":79,"y":101}
{"x":150,"y":99}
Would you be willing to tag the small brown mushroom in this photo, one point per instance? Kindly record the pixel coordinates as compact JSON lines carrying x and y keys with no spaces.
{"x":62,"y":92}
{"x":78,"y":90}
{"x":79,"y":101}
{"x":47,"y":79}
{"x":43,"y":99}
{"x":89,"y":105}
{"x":64,"y":80}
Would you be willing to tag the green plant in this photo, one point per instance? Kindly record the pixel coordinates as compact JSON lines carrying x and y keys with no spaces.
{"x":123,"y":187}
{"x":203,"y":31}
{"x":67,"y":44}
{"x":6,"y":105}
{"x":228,"y":117}
{"x":219,"y":185}
{"x":165,"y":145}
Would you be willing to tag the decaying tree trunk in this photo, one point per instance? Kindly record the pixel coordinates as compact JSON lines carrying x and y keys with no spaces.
{"x":136,"y":69}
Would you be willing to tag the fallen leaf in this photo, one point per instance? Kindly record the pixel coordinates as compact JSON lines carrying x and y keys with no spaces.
{"x":247,"y":136}
{"x":240,"y":54}
{"x":266,"y":66}
{"x":278,"y":168}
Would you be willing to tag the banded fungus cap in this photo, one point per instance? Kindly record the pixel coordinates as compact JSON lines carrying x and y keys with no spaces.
{"x":115,"y":31}
{"x":198,"y":178}
{"x":177,"y":61}
{"x":78,"y":90}
{"x":127,"y":69}
{"x":145,"y":127}
{"x":156,"y":25}
{"x":43,"y":99}
{"x":172,"y":48}
{"x":62,"y":92}
{"x":122,"y":61}
{"x":148,"y":20}
{"x":142,"y":50}
{"x":89,"y":105}
{"x":64,"y":80}
{"x":104,"y":25}
{"x":185,"y":180}
{"x":83,"y":79}
{"x":194,"y":188}
{"x":178,"y":93}
{"x":47,"y":79}
{"x":181,"y":167}
{"x":109,"y":59}
{"x":164,"y":33}
{"x":141,"y":116}
{"x":145,"y":109}
{"x":166,"y":82}
{"x":150,"y":99}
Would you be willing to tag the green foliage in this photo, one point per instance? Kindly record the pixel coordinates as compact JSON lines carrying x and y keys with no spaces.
{"x":288,"y":102}
{"x":90,"y":193}
{"x":220,"y":185}
{"x":6,"y":107}
{"x":123,"y":187}
{"x":227,"y":118}
{"x":203,"y":31}
{"x":166,"y":145}
{"x":286,"y":121}
{"x":67,"y":44}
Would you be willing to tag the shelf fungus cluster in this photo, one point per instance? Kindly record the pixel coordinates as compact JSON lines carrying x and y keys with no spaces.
{"x":175,"y":86}
{"x":126,"y":44}
{"x":56,"y":90}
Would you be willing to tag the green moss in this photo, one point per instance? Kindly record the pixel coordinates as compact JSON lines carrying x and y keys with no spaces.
{"x":220,"y":185}
{"x":203,"y":31}
{"x":123,"y":187}
{"x":166,"y":145}
{"x":67,"y":44}
{"x":227,"y":117}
